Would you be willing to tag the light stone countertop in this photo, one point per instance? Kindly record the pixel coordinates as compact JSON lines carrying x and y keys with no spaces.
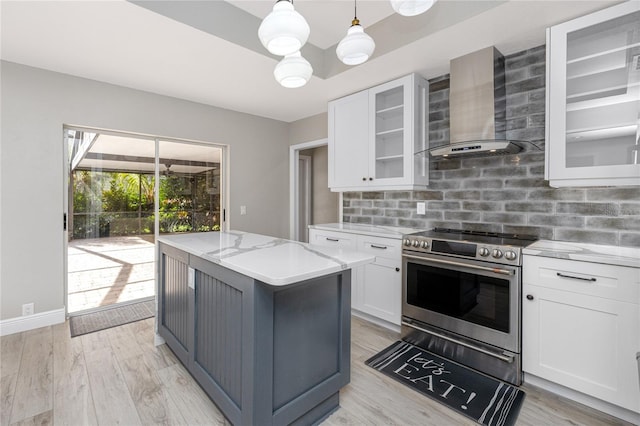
{"x":274,"y":261}
{"x":371,"y":230}
{"x":595,"y":253}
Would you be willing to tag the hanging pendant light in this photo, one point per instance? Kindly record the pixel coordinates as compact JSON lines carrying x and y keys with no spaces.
{"x":293,"y":71}
{"x":357,"y":46}
{"x":411,"y":7}
{"x":283,"y":31}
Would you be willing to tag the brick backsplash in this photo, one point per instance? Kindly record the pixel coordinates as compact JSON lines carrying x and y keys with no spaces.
{"x":506,"y":193}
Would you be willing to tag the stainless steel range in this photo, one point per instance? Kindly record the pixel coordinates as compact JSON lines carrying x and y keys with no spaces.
{"x":461,"y":297}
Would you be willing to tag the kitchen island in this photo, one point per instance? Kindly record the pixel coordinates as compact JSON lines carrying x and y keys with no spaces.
{"x":263,"y":324}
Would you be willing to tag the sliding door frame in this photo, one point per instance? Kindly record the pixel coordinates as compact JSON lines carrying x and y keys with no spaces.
{"x":224,"y":191}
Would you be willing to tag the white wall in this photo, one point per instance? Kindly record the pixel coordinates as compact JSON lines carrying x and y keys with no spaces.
{"x":36,"y":104}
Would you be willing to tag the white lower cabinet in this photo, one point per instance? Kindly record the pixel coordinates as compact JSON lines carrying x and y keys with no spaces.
{"x":581,"y":327}
{"x":376,"y":289}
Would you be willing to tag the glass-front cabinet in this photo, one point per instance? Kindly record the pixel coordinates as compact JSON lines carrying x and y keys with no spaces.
{"x":377,"y":137}
{"x":593,"y":99}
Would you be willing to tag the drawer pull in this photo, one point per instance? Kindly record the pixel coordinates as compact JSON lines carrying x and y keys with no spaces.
{"x":335,"y":240}
{"x":378,"y":247}
{"x":575,"y":278}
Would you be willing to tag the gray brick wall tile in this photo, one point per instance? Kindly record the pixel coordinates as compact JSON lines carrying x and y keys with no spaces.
{"x":595,"y":237}
{"x":589,"y":209}
{"x":542,"y":232}
{"x":445,"y":184}
{"x":397,"y":195}
{"x":528,"y":206}
{"x":427,"y":195}
{"x":414,"y":223}
{"x":614,"y":223}
{"x":351,"y":195}
{"x":481,"y":206}
{"x":397,"y":213}
{"x":462,"y":173}
{"x":563,"y":194}
{"x":557,"y":220}
{"x":385,"y":221}
{"x":361,"y":203}
{"x":462,"y":216}
{"x":510,"y":171}
{"x":443,"y":205}
{"x":629,"y":239}
{"x":525,"y":183}
{"x":631,"y":193}
{"x":361,"y":219}
{"x":462,"y":195}
{"x":351,"y":211}
{"x":444,"y":164}
{"x":373,"y":195}
{"x":429,"y":214}
{"x":630,"y":209}
{"x":504,"y":195}
{"x":505,"y":218}
{"x":482,"y":184}
{"x":386,"y":204}
{"x":372,"y":212}
{"x":481,"y":226}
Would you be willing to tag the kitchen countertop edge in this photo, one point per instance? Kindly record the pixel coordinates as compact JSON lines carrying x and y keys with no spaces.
{"x":395,"y":232}
{"x":596,"y":253}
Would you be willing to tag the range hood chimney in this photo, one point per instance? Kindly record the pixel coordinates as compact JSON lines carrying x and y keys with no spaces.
{"x":477,"y":107}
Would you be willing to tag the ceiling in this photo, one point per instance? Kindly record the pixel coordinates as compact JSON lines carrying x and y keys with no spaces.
{"x":207,"y":51}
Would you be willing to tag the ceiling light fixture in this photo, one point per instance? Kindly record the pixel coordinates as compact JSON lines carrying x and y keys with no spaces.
{"x":293,"y":71}
{"x":411,"y":7}
{"x":283,"y":31}
{"x":357,"y":46}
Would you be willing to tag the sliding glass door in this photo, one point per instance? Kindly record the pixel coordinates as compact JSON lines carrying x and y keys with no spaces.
{"x":115,"y":210}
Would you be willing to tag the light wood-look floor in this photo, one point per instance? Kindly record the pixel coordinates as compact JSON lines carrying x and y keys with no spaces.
{"x":117,"y":376}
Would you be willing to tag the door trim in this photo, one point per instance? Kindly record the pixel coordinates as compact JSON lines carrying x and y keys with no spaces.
{"x":294,"y":157}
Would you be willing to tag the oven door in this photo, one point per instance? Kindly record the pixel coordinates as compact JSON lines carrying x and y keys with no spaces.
{"x":478,"y":300}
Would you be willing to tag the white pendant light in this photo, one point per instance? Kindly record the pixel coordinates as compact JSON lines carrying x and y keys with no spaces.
{"x":293,"y":71}
{"x":357,"y":46}
{"x":283,"y":31}
{"x":411,"y":7}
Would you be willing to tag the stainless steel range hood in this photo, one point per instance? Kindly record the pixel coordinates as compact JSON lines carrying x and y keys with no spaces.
{"x":477,"y":107}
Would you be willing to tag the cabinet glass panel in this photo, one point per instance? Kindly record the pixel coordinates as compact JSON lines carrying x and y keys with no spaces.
{"x":603,"y":94}
{"x":389,"y":132}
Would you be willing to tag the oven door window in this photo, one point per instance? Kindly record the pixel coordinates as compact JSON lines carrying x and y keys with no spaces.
{"x":479,"y":299}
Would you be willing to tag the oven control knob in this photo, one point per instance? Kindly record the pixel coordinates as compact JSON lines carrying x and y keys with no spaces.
{"x":415,"y":243}
{"x":424,"y":245}
{"x":407,"y":242}
{"x":484,"y":252}
{"x":497,"y":253}
{"x":510,"y":255}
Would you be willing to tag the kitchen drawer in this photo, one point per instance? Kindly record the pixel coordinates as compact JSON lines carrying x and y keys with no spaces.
{"x":380,"y":247}
{"x":594,"y":279}
{"x":333,"y":239}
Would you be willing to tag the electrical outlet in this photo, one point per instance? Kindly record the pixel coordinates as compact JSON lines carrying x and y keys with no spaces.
{"x":27,"y":309}
{"x":422,"y":208}
{"x":243,"y":210}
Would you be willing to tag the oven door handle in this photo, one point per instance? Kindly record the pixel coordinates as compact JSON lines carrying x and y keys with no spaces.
{"x":466,"y":265}
{"x":502,"y":357}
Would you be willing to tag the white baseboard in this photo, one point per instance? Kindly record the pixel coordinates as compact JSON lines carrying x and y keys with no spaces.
{"x":31,"y":322}
{"x":598,"y":404}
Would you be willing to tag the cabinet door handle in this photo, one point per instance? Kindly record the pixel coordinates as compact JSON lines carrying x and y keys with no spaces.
{"x":378,"y":247}
{"x":529,"y":296}
{"x":370,"y":178}
{"x":397,"y":269}
{"x":335,"y":240}
{"x":364,"y":178}
{"x":575,"y":278}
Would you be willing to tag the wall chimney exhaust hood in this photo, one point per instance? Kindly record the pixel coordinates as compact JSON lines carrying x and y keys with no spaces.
{"x":477,"y":107}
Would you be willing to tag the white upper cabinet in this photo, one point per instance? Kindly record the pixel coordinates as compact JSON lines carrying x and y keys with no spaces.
{"x":593,"y":99}
{"x":378,"y":137}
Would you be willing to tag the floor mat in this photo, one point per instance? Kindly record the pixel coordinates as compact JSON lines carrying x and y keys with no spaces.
{"x":112,"y":317}
{"x":484,"y":399}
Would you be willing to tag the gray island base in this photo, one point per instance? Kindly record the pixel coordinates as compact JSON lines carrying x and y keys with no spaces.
{"x":265,"y":354}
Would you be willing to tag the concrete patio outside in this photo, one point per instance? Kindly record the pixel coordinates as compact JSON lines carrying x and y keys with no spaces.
{"x":104,"y":271}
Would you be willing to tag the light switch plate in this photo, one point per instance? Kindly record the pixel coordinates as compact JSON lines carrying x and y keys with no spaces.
{"x":422,"y":208}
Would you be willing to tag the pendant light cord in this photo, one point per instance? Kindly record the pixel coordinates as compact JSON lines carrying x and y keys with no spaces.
{"x":355,"y":14}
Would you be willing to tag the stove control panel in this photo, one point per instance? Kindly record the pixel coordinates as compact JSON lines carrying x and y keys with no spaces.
{"x":504,"y":254}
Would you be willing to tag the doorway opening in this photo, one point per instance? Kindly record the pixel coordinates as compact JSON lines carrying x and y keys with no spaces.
{"x":123,"y":191}
{"x":311,"y":200}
